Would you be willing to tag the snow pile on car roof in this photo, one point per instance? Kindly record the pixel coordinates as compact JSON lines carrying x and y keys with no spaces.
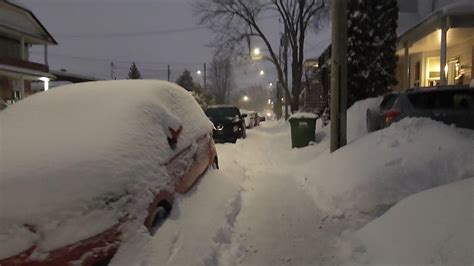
{"x":433,"y":227}
{"x":74,"y":147}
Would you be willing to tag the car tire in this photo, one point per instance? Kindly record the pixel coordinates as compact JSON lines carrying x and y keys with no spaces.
{"x":215,"y":163}
{"x":159,"y":215}
{"x":370,"y":123}
{"x":234,"y":140}
{"x":244,"y":133}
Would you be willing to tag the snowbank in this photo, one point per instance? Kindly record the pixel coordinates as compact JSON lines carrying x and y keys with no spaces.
{"x":434,"y":227}
{"x":356,"y":117}
{"x":68,"y":151}
{"x":384,"y":167}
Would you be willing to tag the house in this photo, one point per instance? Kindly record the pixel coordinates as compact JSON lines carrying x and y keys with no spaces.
{"x":439,"y":48}
{"x":19,"y":30}
{"x":314,"y":96}
{"x":435,"y":46}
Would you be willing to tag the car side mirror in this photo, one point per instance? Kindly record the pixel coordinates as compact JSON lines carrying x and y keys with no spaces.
{"x":244,"y":115}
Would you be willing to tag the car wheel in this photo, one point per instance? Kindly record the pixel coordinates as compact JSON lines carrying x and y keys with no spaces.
{"x":244,"y":133}
{"x":234,"y":140}
{"x":370,"y":123}
{"x":159,"y":215}
{"x":215,"y":163}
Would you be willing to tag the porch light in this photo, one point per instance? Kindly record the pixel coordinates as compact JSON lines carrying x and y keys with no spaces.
{"x":46,"y":82}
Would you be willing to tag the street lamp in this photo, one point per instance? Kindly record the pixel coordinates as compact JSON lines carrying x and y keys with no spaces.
{"x":245,"y":98}
{"x":256,"y":51}
{"x":199,"y":72}
{"x":262,"y":72}
{"x":269,"y":101}
{"x":270,"y":84}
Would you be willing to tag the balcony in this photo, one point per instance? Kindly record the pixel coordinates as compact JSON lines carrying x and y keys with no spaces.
{"x":14,"y":62}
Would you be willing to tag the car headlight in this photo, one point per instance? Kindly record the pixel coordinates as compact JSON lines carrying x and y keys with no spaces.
{"x":235,"y":128}
{"x":219,"y":127}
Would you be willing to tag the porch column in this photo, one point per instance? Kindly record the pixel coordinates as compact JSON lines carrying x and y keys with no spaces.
{"x":406,"y":64}
{"x":443,"y":51}
{"x":46,"y":54}
{"x":22,"y":48}
{"x":22,"y":88}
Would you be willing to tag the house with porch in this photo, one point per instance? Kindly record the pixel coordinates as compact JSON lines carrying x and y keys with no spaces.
{"x":435,"y":47}
{"x":19,"y":30}
{"x":438,"y":49}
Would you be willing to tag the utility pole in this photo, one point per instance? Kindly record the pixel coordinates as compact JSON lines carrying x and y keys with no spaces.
{"x":338,"y":74}
{"x":279,"y":86}
{"x":169,"y":73}
{"x":285,"y":69}
{"x":205,"y":75}
{"x":112,"y":68}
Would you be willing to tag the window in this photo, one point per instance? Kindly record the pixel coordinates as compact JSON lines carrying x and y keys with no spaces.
{"x":432,"y":71}
{"x":454,"y":72}
{"x":388,"y":101}
{"x":455,"y":99}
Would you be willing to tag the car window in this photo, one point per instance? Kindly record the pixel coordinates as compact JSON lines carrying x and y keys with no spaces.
{"x":223,"y":112}
{"x":442,"y":100}
{"x":388,"y":101}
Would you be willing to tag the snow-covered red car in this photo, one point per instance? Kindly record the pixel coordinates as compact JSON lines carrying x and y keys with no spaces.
{"x":79,"y":164}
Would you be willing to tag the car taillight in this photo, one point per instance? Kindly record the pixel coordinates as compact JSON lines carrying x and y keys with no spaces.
{"x":391,"y":115}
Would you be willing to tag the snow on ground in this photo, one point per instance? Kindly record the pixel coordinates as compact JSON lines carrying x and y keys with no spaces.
{"x":199,"y":227}
{"x":434,"y":227}
{"x":381,"y":168}
{"x":291,"y":206}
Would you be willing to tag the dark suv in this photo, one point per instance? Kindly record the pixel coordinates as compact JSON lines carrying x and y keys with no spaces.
{"x":450,"y":105}
{"x":228,"y":123}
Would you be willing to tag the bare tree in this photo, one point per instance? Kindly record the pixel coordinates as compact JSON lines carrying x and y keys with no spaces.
{"x":221,"y":78}
{"x":235,"y":22}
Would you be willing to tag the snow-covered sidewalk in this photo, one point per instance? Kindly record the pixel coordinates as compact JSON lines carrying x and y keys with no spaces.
{"x":252,"y":212}
{"x":271,"y":205}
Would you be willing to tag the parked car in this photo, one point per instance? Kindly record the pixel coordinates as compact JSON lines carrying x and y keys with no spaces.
{"x":249,"y":119}
{"x":256,"y":120}
{"x":448,"y":104}
{"x":95,"y":158}
{"x":261,"y":117}
{"x":229,"y":123}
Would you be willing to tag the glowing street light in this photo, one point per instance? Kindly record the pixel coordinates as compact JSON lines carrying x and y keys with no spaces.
{"x":262,"y":72}
{"x":245,"y":98}
{"x":269,"y":101}
{"x":256,"y":51}
{"x":199,"y":72}
{"x":270,"y":84}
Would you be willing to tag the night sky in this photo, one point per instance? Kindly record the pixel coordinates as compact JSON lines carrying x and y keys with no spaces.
{"x":153,"y":33}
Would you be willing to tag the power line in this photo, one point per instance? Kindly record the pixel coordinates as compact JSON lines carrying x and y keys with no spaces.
{"x":135,"y":34}
{"x":129,"y":34}
{"x":107,"y":60}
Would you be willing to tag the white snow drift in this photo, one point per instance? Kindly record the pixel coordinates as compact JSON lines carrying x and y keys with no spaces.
{"x":434,"y":227}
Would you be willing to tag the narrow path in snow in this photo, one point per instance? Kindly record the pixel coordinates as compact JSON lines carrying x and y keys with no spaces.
{"x":278,"y":224}
{"x":250,"y":212}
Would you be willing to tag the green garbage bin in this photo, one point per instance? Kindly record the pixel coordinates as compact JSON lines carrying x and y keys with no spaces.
{"x":303,"y":129}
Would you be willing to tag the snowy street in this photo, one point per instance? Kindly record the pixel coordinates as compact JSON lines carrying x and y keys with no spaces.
{"x":271,"y":205}
{"x":269,"y":219}
{"x":252,"y":211}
